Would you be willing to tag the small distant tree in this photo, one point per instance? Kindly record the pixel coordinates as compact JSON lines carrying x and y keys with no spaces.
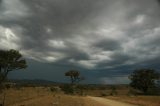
{"x":75,"y":79}
{"x":143,"y":79}
{"x":10,"y":60}
{"x":74,"y":76}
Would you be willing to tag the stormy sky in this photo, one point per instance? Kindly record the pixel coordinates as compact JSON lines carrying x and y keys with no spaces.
{"x":104,"y":39}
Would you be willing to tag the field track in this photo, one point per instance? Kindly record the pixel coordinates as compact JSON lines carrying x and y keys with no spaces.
{"x":108,"y":102}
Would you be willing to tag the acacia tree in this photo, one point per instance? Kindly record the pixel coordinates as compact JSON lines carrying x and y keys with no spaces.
{"x":10,"y":60}
{"x":143,"y":79}
{"x":74,"y":76}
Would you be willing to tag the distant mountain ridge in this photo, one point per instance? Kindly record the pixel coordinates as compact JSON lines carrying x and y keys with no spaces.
{"x":34,"y":81}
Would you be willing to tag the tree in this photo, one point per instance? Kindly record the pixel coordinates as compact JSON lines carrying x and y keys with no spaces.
{"x":143,"y":79}
{"x":74,"y":75}
{"x":10,"y":60}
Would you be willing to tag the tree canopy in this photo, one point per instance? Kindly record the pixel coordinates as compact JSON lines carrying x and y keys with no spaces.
{"x":74,"y":75}
{"x":143,"y":79}
{"x":10,"y":60}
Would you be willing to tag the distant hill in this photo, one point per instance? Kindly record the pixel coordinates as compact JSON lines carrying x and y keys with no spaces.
{"x":40,"y":82}
{"x":34,"y":82}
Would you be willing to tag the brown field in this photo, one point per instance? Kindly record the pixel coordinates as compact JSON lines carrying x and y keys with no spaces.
{"x":42,"y":96}
{"x":104,"y":92}
{"x":138,"y":100}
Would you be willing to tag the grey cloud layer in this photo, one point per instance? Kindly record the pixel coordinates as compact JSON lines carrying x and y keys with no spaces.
{"x":92,"y":34}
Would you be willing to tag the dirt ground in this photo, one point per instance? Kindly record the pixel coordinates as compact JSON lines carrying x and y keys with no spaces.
{"x":40,"y":96}
{"x":109,"y":102}
{"x":138,"y":100}
{"x":43,"y":96}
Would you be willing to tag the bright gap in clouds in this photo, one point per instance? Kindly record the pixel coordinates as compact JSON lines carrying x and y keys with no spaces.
{"x":8,"y":39}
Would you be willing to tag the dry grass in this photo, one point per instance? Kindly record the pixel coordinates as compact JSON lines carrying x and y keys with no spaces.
{"x":40,"y":96}
{"x":138,"y":100}
{"x":106,"y":92}
{"x":24,"y":94}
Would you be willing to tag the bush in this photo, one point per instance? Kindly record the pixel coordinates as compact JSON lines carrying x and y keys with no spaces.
{"x":18,"y":87}
{"x":7,"y":86}
{"x":132,"y":92}
{"x":53,"y":89}
{"x":67,"y":89}
{"x":103,"y":94}
{"x":113,"y":91}
{"x":154,"y":91}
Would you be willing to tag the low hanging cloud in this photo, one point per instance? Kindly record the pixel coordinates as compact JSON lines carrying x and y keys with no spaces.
{"x":91,"y":34}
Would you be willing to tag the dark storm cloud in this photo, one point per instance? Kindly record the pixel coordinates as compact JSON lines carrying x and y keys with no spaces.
{"x":108,"y":44}
{"x":98,"y":35}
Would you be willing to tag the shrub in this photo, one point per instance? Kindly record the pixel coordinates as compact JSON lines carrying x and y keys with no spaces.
{"x":103,"y":94}
{"x":67,"y":89}
{"x":7,"y":86}
{"x":53,"y":89}
{"x":113,"y":90}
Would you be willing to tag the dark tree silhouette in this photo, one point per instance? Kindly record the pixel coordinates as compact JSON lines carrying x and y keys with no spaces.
{"x":143,"y":79}
{"x":74,"y":75}
{"x":10,"y":60}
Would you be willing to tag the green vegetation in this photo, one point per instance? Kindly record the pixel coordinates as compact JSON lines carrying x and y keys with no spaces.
{"x":67,"y":89}
{"x":74,"y":76}
{"x":10,"y":60}
{"x":113,"y":90}
{"x":144,"y":79}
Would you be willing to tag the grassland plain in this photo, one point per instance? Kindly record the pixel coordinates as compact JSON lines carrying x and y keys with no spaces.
{"x":40,"y":96}
{"x":138,"y":100}
{"x":43,"y":96}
